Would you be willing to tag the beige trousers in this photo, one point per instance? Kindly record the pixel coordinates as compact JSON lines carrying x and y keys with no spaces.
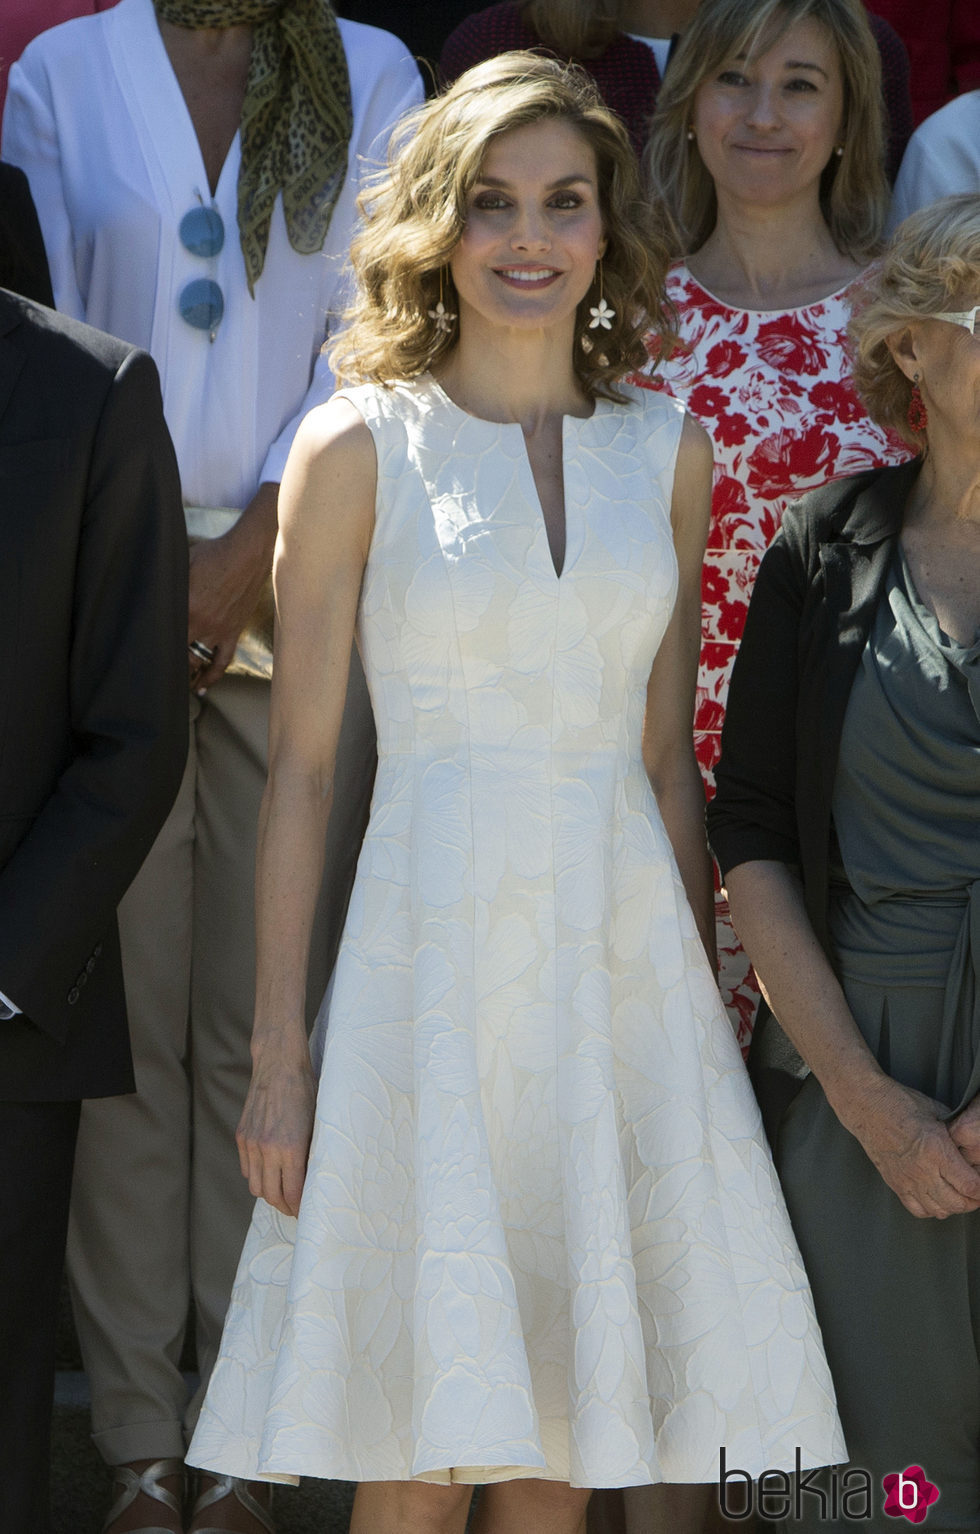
{"x":159,"y":1206}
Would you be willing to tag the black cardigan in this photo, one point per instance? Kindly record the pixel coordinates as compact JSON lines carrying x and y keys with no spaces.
{"x":811,"y":612}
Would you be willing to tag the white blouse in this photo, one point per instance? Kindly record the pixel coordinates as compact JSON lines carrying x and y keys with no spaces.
{"x":96,"y":118}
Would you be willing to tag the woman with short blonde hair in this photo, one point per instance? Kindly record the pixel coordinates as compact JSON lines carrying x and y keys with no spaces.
{"x":847,"y":832}
{"x":927,"y":271}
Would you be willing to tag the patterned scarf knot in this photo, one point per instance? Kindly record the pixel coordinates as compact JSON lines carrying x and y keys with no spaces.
{"x":297,"y":117}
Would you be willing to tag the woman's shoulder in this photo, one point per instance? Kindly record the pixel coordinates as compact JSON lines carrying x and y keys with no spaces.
{"x":682,"y":287}
{"x":390,"y":396}
{"x":394,"y":412}
{"x":958,"y":122}
{"x":860,"y":508}
{"x":372,"y":52}
{"x":363,"y":396}
{"x":650,"y":408}
{"x":697,"y":310}
{"x":647,"y":427}
{"x":80,"y":35}
{"x":376,"y":403}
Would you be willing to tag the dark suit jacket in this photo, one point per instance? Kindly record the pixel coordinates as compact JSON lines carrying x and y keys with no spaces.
{"x":93,"y":686}
{"x":23,"y":259}
{"x":811,"y":612}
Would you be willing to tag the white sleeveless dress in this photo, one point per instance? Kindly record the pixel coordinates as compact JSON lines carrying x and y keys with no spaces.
{"x":540,"y":1234}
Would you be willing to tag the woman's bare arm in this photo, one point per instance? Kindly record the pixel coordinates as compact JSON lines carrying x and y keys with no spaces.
{"x":326,"y":519}
{"x":900,"y":1129}
{"x":668,"y":730}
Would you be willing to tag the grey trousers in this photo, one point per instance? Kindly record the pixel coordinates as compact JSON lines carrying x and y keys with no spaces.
{"x":159,"y":1205}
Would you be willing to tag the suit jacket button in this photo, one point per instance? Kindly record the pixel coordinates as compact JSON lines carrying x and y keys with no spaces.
{"x":82,"y":980}
{"x":90,"y":965}
{"x":73,"y":995}
{"x":97,"y":950}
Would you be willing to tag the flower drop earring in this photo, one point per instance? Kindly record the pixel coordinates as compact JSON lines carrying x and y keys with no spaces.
{"x":602,"y":314}
{"x":602,"y":317}
{"x":442,"y":319}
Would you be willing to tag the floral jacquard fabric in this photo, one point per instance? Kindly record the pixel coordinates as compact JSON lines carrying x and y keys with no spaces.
{"x":773,"y":390}
{"x":541,"y":1234}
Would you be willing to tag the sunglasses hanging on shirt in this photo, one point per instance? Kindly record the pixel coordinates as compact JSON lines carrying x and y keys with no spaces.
{"x":201,"y":301}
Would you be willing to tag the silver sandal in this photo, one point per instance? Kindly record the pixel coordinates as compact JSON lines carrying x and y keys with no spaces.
{"x":149,"y":1484}
{"x":225,"y":1486}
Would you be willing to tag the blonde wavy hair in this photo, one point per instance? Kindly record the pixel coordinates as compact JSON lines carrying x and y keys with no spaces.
{"x":415,"y":215}
{"x":577,"y":29}
{"x":931,"y":265}
{"x":853,"y":189}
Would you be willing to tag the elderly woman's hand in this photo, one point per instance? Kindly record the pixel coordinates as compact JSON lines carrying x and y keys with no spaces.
{"x":903,"y":1133}
{"x":965,"y":1131}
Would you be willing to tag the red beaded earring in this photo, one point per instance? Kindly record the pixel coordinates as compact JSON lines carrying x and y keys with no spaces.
{"x":917,"y":415}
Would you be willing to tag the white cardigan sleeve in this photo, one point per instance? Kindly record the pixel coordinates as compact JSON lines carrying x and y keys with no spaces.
{"x":30,"y":141}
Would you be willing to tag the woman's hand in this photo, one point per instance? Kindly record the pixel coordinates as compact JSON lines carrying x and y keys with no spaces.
{"x":965,"y":1131}
{"x":903,"y":1133}
{"x":276,"y":1126}
{"x":226,"y":579}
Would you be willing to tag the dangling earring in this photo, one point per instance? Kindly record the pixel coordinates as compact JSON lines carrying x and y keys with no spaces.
{"x":602,"y":317}
{"x":917,"y":415}
{"x":839,"y":151}
{"x":602,"y":314}
{"x":442,"y":319}
{"x":691,"y":135}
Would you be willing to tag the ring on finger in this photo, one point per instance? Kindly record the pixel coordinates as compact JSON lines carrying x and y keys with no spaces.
{"x":201,"y":651}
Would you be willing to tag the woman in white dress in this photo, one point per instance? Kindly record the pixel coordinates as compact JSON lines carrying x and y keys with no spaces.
{"x":539,"y":1242}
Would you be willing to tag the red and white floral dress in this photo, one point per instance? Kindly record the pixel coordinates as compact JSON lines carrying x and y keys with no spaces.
{"x":773,"y":390}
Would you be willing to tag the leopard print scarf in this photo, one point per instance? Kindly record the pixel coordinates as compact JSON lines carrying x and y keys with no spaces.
{"x":296,"y":117}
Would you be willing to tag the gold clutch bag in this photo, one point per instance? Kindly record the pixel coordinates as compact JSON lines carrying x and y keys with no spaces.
{"x":253,"y":653}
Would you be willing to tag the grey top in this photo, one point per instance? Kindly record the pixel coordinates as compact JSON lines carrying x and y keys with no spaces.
{"x":905,"y":899}
{"x":907,"y":794}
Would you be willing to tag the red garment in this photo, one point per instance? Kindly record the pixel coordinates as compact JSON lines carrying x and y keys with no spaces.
{"x":22,"y":20}
{"x":628,"y":78}
{"x":943,"y":42}
{"x":626,"y":74}
{"x":772,"y":388}
{"x":895,"y":90}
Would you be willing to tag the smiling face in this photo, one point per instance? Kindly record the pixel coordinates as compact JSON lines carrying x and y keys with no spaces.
{"x":766,"y":126}
{"x":533,"y":230}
